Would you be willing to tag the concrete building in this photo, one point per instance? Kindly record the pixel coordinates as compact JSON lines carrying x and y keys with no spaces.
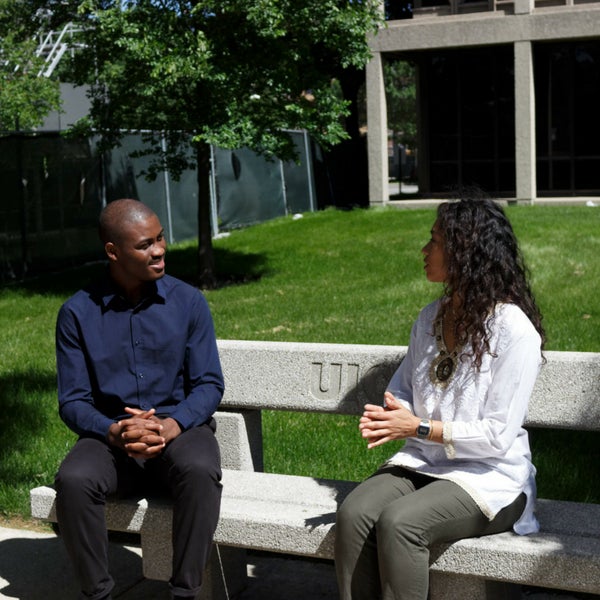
{"x":508,"y":95}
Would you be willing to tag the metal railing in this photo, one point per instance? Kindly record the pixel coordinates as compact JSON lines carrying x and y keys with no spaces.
{"x":54,"y":45}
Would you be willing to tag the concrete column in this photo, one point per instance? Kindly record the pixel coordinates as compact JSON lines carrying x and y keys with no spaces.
{"x":525,"y":152}
{"x":524,"y":7}
{"x":377,"y":132}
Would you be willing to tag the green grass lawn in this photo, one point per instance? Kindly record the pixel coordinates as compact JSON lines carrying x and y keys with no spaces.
{"x":351,"y":277}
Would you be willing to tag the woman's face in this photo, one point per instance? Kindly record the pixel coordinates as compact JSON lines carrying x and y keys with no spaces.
{"x":435,"y":256}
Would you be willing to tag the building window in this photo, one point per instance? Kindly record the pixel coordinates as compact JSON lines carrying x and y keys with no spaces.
{"x":567,"y":90}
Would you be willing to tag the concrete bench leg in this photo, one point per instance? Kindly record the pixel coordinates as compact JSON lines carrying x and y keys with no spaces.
{"x":444,"y":586}
{"x":226,"y":575}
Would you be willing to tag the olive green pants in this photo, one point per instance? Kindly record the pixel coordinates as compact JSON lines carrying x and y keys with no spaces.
{"x":385,"y":527}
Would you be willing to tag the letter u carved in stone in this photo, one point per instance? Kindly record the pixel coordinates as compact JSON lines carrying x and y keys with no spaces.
{"x":330,"y":381}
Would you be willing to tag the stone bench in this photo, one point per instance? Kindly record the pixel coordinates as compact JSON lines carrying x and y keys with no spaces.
{"x":295,"y":515}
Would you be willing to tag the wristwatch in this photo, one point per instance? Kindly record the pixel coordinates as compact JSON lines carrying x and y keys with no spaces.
{"x":424,"y":429}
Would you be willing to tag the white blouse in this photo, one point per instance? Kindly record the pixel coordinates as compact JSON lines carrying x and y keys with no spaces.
{"x":486,"y":449}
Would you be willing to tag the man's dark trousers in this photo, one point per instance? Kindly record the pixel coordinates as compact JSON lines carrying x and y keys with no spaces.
{"x":189,"y":467}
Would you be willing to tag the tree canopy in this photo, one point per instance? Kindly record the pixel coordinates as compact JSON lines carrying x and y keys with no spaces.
{"x":233,"y":73}
{"x":25,"y":96}
{"x":230,"y":72}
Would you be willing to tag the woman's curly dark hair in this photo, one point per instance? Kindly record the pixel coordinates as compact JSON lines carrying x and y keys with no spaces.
{"x":484,"y":267}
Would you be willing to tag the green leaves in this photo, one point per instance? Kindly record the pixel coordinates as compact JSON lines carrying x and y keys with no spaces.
{"x":25,"y":97}
{"x":401,"y":97}
{"x":233,"y":72}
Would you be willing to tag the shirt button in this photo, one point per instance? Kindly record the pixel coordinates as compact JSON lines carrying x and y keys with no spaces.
{"x":141,"y":376}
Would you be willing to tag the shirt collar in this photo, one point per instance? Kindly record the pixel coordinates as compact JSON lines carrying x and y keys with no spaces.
{"x":111,"y":296}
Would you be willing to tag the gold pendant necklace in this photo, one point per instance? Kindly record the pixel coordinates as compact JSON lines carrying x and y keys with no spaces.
{"x":443,"y":366}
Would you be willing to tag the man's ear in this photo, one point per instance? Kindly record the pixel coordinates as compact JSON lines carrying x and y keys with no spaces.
{"x":111,"y":251}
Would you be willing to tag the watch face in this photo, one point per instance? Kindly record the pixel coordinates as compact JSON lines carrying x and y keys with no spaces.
{"x":423,"y":429}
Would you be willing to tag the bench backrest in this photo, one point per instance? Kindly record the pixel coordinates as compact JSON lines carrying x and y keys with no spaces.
{"x":341,"y":378}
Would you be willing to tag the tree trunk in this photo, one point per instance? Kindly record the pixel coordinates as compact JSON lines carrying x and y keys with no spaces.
{"x":206,"y":261}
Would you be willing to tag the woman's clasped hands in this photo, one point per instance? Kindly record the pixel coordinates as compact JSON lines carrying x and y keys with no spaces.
{"x":381,"y":424}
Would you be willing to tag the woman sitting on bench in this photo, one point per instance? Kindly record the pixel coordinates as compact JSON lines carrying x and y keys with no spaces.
{"x":459,"y":399}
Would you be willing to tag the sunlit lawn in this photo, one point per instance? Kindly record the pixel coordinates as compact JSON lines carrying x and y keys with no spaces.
{"x":351,"y":277}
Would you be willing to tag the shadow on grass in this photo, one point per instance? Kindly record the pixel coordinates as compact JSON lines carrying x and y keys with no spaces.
{"x":15,"y":388}
{"x":567,"y":464}
{"x":233,"y":268}
{"x":33,"y":440}
{"x":20,"y":419}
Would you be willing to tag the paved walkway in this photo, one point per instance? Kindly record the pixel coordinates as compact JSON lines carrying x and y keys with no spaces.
{"x":34,"y":566}
{"x":403,"y":195}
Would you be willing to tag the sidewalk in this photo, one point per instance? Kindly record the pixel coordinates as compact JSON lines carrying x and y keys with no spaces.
{"x":402,"y":195}
{"x":34,"y":566}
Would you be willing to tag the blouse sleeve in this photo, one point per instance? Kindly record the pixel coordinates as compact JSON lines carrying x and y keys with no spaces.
{"x":504,"y":408}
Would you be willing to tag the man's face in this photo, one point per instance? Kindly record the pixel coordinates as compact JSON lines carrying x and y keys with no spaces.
{"x":139,"y":254}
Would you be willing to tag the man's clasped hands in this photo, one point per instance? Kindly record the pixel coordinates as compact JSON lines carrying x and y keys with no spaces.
{"x":143,"y":434}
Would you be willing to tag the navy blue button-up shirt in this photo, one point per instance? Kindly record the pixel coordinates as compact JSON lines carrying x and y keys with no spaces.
{"x":159,"y":354}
